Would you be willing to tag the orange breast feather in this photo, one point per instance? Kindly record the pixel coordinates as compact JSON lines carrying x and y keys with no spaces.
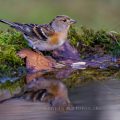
{"x":54,"y":39}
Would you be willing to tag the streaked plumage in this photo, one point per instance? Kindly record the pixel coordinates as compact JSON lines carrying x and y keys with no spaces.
{"x":47,"y":36}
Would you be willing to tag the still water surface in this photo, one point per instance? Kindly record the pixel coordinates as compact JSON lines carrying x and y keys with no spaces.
{"x":92,"y":101}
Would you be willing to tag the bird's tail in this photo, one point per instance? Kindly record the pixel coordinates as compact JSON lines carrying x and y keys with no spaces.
{"x":7,"y":22}
{"x":17,"y":26}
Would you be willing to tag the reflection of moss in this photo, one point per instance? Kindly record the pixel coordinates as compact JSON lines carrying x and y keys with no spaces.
{"x":81,"y":77}
{"x":12,"y":86}
{"x":77,"y":78}
{"x":116,"y":75}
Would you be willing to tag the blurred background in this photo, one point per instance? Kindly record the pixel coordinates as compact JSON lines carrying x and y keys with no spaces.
{"x":96,"y":14}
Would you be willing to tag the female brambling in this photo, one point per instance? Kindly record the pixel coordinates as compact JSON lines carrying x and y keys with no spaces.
{"x":45,"y":37}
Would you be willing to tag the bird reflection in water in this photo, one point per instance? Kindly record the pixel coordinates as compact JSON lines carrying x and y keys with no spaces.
{"x":40,"y":87}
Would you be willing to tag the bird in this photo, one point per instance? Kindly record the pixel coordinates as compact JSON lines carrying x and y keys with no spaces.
{"x":44,"y":37}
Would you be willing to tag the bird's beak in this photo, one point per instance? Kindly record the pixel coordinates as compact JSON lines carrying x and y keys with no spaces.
{"x":72,"y":21}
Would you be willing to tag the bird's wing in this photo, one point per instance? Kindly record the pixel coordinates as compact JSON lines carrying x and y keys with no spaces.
{"x":43,"y":31}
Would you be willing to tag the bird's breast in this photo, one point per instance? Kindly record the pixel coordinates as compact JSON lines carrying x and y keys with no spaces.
{"x":57,"y":38}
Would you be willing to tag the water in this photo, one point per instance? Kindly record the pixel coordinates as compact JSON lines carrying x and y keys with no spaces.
{"x":94,"y":100}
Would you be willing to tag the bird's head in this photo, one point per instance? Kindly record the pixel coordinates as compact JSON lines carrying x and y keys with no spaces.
{"x":61,"y":23}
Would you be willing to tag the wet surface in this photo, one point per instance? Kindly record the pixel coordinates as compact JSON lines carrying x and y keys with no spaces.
{"x":97,"y":100}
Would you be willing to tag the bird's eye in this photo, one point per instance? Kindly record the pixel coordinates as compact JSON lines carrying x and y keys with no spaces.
{"x":64,"y":20}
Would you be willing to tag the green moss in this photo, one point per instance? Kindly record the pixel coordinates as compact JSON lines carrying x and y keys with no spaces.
{"x":88,"y":41}
{"x":10,"y":43}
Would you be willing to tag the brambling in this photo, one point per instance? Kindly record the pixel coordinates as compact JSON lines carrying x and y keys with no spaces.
{"x":45,"y":37}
